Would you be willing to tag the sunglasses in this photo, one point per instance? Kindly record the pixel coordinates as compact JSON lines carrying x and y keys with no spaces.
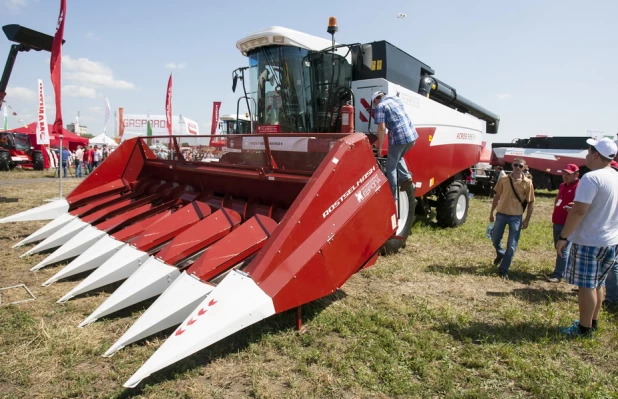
{"x":518,"y":165}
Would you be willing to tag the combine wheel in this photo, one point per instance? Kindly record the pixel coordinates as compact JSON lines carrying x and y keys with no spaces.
{"x":407,"y":206}
{"x":37,"y":160}
{"x":5,"y":161}
{"x":452,"y":208}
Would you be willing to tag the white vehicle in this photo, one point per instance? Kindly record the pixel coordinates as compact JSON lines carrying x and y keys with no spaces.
{"x":228,"y":124}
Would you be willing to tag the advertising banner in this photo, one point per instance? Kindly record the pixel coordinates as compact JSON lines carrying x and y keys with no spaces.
{"x":42,"y":128}
{"x":137,"y":125}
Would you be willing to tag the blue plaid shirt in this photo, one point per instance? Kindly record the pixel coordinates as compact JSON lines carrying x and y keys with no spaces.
{"x":400,"y":128}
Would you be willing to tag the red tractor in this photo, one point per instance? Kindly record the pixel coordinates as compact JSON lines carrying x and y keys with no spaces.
{"x":16,"y":150}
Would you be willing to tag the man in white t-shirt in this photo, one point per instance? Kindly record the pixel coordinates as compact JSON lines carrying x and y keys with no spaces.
{"x":98,"y":157}
{"x":79,"y":158}
{"x":592,"y":227}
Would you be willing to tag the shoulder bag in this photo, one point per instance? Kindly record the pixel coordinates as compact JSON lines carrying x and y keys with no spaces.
{"x":524,"y":203}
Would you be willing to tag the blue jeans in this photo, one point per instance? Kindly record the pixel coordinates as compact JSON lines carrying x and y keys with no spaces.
{"x":396,"y":165}
{"x":611,"y":284}
{"x":78,"y":169}
{"x":64,"y":168}
{"x":561,"y":261}
{"x":514,"y":223}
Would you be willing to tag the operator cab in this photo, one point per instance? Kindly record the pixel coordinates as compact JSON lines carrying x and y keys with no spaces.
{"x":15,"y":141}
{"x":299,"y":82}
{"x":229,"y":124}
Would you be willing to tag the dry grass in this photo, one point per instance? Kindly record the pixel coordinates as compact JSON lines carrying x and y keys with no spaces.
{"x":431,"y":322}
{"x":25,"y":174}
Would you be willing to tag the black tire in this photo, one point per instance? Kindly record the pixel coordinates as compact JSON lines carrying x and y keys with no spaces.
{"x":38,"y":162}
{"x":398,"y":241}
{"x":5,"y":161}
{"x":452,"y":207}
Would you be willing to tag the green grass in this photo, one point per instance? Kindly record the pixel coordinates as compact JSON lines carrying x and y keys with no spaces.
{"x":431,"y":322}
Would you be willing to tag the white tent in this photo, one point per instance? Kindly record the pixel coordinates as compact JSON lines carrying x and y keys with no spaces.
{"x":103,"y":139}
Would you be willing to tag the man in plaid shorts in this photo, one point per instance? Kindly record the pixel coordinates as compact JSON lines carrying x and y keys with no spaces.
{"x":390,"y":113}
{"x":592,"y":228}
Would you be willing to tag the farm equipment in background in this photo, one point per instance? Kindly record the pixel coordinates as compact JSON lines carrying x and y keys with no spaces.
{"x":284,"y":216}
{"x":544,"y":156}
{"x":16,"y":150}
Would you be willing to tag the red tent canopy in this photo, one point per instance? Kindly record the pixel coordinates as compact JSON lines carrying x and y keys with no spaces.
{"x":72,"y":139}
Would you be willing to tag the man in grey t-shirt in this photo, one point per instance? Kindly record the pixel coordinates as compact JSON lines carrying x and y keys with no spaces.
{"x":592,"y":227}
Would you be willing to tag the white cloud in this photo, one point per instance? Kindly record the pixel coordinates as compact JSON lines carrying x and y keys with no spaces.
{"x":20,"y":93}
{"x":79,"y":91}
{"x":15,"y":5}
{"x":25,"y":116}
{"x":173,"y":65}
{"x":503,"y":96}
{"x":92,"y":73}
{"x":98,"y":110}
{"x":92,"y":36}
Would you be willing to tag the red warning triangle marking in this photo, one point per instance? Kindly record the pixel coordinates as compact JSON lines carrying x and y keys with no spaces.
{"x":180,"y":331}
{"x":191,"y":322}
{"x":202,"y":311}
{"x":212,"y":302}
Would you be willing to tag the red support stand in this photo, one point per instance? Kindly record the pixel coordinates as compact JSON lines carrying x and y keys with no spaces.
{"x":299,"y":319}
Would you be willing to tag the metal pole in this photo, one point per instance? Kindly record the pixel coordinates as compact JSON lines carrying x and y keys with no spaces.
{"x":60,"y":165}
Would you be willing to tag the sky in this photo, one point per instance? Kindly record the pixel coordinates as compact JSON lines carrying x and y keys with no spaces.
{"x":546,"y":67}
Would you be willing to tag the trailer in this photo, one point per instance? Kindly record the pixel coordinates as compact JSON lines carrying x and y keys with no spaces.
{"x":544,"y":156}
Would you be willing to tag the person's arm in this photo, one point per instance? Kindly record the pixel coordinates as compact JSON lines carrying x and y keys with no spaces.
{"x":496,"y":200}
{"x":381,"y":136}
{"x":574,"y":218}
{"x":584,"y":195}
{"x":494,"y":204}
{"x":530,"y":208}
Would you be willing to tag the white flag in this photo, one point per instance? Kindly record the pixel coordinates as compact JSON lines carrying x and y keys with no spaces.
{"x":107,"y":111}
{"x":42,"y":129}
{"x":6,"y":118}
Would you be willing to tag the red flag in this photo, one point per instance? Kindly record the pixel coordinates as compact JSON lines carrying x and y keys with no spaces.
{"x":168,"y":106}
{"x":54,"y":65}
{"x":215,"y":117}
{"x":121,"y":121}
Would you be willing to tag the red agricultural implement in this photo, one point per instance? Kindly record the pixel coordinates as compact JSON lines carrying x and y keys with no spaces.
{"x":275,"y":220}
{"x":17,"y":150}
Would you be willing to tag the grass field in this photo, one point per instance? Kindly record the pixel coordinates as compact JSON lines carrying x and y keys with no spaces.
{"x":25,"y":174}
{"x":434,"y":321}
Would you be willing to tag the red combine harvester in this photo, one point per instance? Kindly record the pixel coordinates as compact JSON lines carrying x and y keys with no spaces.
{"x":16,"y":150}
{"x":545,"y":157}
{"x":277,"y":220}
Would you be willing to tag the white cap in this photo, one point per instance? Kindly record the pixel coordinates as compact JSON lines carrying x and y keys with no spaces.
{"x":376,"y":95}
{"x":606,"y":147}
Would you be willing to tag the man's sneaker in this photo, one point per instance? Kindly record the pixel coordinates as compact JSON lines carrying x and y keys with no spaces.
{"x":553,"y":280}
{"x":593,"y":329}
{"x":498,"y":260}
{"x":574,"y":331}
{"x":406,"y":185}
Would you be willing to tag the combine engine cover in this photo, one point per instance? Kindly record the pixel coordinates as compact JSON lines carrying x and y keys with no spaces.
{"x":449,"y":141}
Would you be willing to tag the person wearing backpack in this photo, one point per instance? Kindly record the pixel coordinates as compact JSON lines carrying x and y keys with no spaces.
{"x":514,"y":196}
